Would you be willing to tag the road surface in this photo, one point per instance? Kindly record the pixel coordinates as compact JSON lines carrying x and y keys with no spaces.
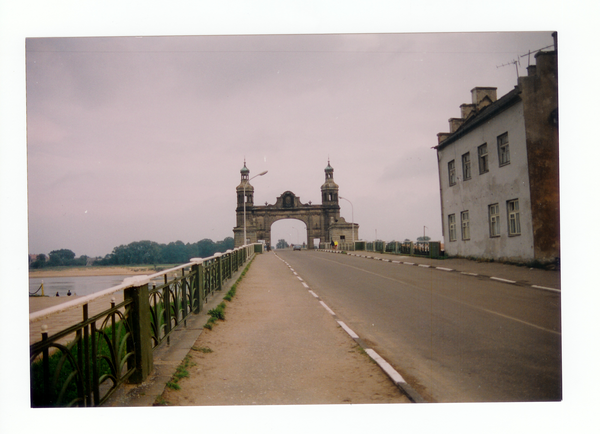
{"x":453,"y":337}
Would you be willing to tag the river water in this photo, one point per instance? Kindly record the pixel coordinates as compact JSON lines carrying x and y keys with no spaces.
{"x":80,"y":285}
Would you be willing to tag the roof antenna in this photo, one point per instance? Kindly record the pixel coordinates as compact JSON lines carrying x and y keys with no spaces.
{"x":515,"y":62}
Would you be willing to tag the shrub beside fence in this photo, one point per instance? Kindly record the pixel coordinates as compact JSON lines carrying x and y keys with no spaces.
{"x":85,"y":363}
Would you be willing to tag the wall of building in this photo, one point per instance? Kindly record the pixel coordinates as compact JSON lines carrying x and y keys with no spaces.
{"x":498,"y":185}
{"x":540,"y":98}
{"x":342,"y":231}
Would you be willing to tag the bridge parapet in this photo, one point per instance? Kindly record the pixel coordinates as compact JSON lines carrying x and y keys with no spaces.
{"x":84,"y":364}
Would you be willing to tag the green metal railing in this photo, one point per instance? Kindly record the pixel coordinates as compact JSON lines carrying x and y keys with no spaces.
{"x":85,"y":363}
{"x":430,"y":249}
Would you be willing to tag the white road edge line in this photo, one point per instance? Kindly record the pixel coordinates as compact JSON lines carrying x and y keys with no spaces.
{"x":444,"y":269}
{"x":387,"y":368}
{"x":424,"y":265}
{"x":469,"y":274}
{"x":327,"y":308}
{"x":546,"y":288}
{"x":312,"y":292}
{"x":348,"y":330}
{"x":503,"y":280}
{"x":299,"y":278}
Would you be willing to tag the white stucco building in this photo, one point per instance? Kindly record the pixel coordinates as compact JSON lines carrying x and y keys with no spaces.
{"x":498,"y":171}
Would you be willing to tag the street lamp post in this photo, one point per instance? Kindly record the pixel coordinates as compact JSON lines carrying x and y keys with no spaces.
{"x":352,"y":220}
{"x":246,"y":183}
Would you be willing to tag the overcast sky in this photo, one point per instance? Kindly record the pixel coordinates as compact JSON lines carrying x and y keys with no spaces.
{"x":143,"y":138}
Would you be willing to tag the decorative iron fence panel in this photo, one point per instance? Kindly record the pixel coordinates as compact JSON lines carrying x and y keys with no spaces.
{"x":172,"y":302}
{"x":85,"y":363}
{"x":87,"y":369}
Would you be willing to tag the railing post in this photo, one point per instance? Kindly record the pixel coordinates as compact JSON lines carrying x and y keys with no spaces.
{"x":219,"y":265}
{"x":139,"y":320}
{"x":198,"y":289}
{"x":95,"y":392}
{"x":167,"y":306}
{"x":230,"y":261}
{"x":86,"y":360}
{"x":46,"y":369}
{"x":184,"y":300}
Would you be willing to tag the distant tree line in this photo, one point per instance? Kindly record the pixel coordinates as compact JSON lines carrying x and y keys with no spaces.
{"x":139,"y":252}
{"x":62,"y":257}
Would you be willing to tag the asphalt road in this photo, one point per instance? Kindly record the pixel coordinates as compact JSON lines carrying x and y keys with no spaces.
{"x":454,"y":338}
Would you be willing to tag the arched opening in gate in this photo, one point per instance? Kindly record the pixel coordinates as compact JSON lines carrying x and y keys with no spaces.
{"x":293,"y":231}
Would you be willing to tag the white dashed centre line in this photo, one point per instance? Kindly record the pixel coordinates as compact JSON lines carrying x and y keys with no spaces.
{"x":348,"y":330}
{"x":327,"y":308}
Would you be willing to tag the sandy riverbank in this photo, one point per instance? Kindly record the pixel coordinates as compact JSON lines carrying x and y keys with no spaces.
{"x":92,"y":271}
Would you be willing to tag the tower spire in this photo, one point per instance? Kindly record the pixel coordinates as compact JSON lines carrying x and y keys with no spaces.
{"x":329,"y":190}
{"x":245,"y":172}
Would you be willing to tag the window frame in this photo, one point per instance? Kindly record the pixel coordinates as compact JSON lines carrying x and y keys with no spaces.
{"x":452,"y":227}
{"x":483,"y":159}
{"x":465,"y":230}
{"x":503,"y":150}
{"x":494,"y":220}
{"x":513,"y":218}
{"x":466,"y":166}
{"x":451,"y":173}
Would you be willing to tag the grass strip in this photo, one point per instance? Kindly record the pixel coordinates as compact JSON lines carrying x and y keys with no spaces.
{"x":218,"y":313}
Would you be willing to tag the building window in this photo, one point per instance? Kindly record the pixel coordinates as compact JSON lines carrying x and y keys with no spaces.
{"x":503,"y":151}
{"x":494,"y":212}
{"x":482,"y":153}
{"x":452,"y":227}
{"x":464,"y":224}
{"x":451,"y":173}
{"x":466,"y":166}
{"x":514,"y":222}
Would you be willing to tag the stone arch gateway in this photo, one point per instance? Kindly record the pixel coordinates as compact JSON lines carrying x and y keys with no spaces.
{"x":322,"y":221}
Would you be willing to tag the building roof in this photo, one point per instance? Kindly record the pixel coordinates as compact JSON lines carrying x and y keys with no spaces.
{"x":483,"y":115}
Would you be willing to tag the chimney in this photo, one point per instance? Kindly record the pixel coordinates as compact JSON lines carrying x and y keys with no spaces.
{"x":480,"y":94}
{"x":545,"y":62}
{"x":442,"y":136}
{"x":455,"y":124}
{"x":466,"y":110}
{"x":531,"y":71}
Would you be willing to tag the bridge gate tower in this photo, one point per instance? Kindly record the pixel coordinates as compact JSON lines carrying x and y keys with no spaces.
{"x":322,"y":221}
